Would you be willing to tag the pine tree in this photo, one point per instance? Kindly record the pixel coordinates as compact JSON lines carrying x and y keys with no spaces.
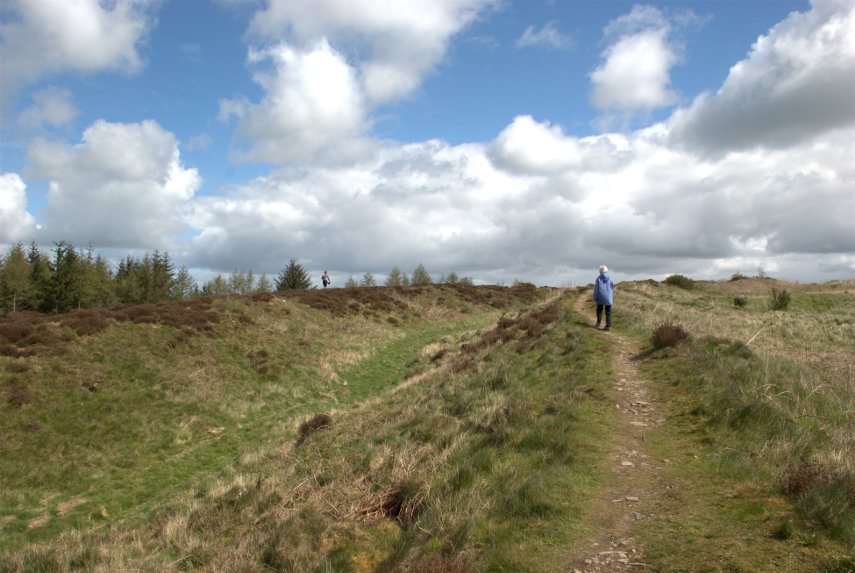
{"x":96,"y":281}
{"x":39,"y":278}
{"x":420,"y":276}
{"x":127,"y":284}
{"x":63,"y":289}
{"x":237,"y":282}
{"x":293,"y":277}
{"x":368,"y":280}
{"x":162,"y":277}
{"x":219,"y":286}
{"x":264,"y":284}
{"x":394,"y":278}
{"x":351,"y":282}
{"x":15,"y":283}
{"x":184,"y":286}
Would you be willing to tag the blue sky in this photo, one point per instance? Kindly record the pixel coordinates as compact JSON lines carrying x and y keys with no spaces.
{"x":499,"y":139}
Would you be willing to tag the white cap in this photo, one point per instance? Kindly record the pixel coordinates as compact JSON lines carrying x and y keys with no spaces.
{"x":604,"y":269}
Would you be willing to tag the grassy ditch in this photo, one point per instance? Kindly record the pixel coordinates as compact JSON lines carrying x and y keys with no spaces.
{"x":107,"y":413}
{"x":479,"y":454}
{"x":765,"y":402}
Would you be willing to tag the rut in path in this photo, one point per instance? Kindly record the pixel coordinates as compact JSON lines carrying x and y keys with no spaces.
{"x":635,"y":477}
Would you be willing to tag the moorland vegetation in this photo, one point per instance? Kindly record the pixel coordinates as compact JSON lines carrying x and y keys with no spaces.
{"x":437,"y":427}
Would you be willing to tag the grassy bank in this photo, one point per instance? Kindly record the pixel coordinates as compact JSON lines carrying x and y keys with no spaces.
{"x":764,"y":401}
{"x":437,"y":427}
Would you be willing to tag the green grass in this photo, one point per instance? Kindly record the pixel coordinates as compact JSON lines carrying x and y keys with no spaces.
{"x":456,"y":444}
{"x":466,"y":434}
{"x":122,"y":419}
{"x":764,"y":404}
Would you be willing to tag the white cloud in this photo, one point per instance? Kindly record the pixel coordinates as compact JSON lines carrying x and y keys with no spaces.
{"x":16,"y":223}
{"x":536,"y":203}
{"x":548,"y":36}
{"x":52,"y":36}
{"x":396,"y":43}
{"x":530,"y":147}
{"x":636,"y":74}
{"x":798,"y":81}
{"x":312,"y":104}
{"x":51,"y":107}
{"x":122,"y":186}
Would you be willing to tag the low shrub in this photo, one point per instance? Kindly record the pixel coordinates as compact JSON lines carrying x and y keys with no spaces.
{"x":780,"y":299}
{"x":740,"y":301}
{"x":320,"y":421}
{"x":668,"y":334}
{"x":680,"y":281}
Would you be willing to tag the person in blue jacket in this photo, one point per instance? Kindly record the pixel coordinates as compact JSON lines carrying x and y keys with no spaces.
{"x":604,"y":290}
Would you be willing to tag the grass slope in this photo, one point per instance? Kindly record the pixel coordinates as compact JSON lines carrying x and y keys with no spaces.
{"x":437,"y":429}
{"x":108,"y":412}
{"x":761,"y":433}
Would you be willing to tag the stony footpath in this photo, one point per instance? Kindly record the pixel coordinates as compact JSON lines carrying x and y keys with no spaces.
{"x":636,"y":477}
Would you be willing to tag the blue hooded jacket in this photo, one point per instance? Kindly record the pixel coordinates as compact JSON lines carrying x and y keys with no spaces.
{"x":604,"y":289}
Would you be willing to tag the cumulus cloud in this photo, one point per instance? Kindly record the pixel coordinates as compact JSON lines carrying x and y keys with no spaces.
{"x":122,"y":186}
{"x":798,"y":81}
{"x":548,"y":36}
{"x":399,"y":41}
{"x":312,"y":104}
{"x":635,"y":73}
{"x":52,"y":107}
{"x":500,"y":210}
{"x":83,"y":35}
{"x":16,"y":223}
{"x":526,"y":146}
{"x":537,"y":203}
{"x":318,"y":99}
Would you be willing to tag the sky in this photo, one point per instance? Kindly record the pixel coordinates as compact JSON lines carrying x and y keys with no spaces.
{"x":501,"y":140}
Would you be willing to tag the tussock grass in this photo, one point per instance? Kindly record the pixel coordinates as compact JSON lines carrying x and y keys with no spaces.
{"x":773,"y":391}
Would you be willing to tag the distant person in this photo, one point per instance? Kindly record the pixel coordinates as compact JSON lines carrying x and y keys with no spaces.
{"x":326,"y":279}
{"x":604,"y":290}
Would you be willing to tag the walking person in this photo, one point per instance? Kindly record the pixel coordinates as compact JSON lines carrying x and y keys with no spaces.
{"x":326,"y":279}
{"x":604,"y":290}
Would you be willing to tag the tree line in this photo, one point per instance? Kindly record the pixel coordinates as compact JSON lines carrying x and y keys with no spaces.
{"x":66,"y":278}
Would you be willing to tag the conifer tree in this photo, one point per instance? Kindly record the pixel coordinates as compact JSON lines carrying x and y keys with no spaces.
{"x":368,"y":280}
{"x":264,"y":284}
{"x":394,"y":278}
{"x":15,"y":286}
{"x":420,"y":276}
{"x":63,"y":288}
{"x":293,"y":277}
{"x":184,"y":286}
{"x":39,"y":278}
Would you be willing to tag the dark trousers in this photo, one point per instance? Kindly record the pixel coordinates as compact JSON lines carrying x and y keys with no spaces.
{"x":608,"y":308}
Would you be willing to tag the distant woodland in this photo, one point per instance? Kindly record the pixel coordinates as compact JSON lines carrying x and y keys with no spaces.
{"x":65,"y":278}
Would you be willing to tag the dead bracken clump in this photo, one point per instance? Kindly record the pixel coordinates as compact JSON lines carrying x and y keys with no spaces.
{"x":804,"y":476}
{"x":668,"y":334}
{"x":320,"y":421}
{"x":401,"y":501}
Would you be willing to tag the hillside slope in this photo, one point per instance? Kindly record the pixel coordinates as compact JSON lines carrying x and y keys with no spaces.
{"x":439,"y":428}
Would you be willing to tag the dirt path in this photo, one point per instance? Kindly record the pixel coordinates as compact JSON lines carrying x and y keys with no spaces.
{"x":635,"y":478}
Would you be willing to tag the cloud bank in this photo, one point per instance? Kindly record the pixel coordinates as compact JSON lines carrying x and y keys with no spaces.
{"x":758,"y":174}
